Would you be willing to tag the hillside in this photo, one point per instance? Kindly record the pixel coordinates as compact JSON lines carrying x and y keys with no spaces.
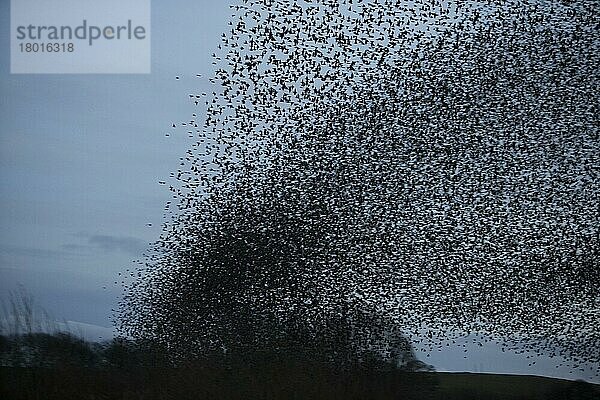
{"x":279,"y":382}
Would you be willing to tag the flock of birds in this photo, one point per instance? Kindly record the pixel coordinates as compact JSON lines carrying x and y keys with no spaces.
{"x":435,"y":163}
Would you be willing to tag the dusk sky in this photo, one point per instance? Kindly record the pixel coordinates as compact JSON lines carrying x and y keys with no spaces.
{"x":81,"y":156}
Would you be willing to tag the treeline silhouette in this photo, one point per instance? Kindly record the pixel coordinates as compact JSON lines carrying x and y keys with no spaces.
{"x":63,"y":366}
{"x":261,"y":357}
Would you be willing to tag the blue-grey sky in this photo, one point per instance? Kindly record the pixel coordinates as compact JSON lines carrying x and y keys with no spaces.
{"x":80,"y":160}
{"x":81,"y":157}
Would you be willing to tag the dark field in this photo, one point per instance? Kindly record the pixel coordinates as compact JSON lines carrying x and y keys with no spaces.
{"x":278,"y":382}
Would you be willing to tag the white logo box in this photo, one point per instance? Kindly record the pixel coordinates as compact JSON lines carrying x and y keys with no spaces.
{"x":80,"y":36}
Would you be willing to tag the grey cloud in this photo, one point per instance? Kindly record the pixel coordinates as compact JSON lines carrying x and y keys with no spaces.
{"x":19,"y":251}
{"x":75,"y":247}
{"x":106,"y":243}
{"x":117,"y":243}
